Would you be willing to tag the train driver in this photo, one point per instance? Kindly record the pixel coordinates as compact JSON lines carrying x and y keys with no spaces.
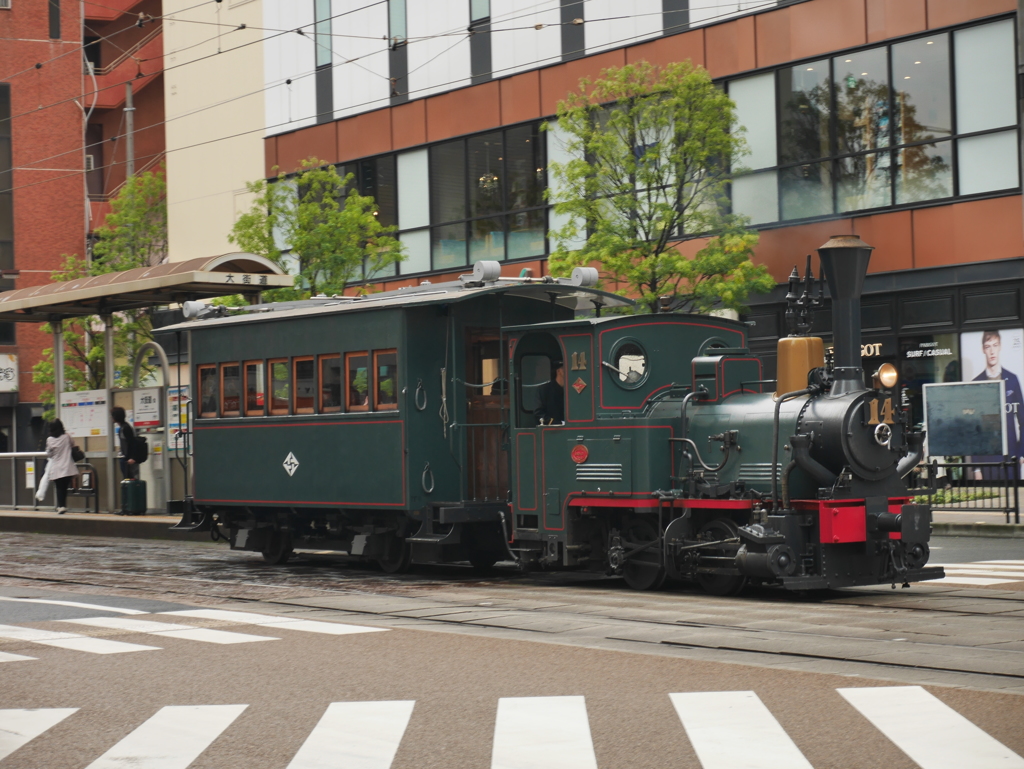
{"x":551,"y":410}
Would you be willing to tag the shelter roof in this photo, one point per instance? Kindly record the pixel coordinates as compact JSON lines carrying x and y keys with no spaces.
{"x":576,"y":298}
{"x":173,"y":282}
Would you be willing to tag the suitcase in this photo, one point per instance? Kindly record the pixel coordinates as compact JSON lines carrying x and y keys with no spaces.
{"x":133,"y":497}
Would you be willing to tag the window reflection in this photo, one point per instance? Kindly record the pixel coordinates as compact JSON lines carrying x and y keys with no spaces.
{"x":487,"y":239}
{"x":863,"y":181}
{"x":448,"y":246}
{"x":524,"y":167}
{"x":924,"y":172}
{"x":920,"y":76}
{"x":804,"y":112}
{"x":254,"y":388}
{"x":806,"y":190}
{"x":861,"y":83}
{"x":485,"y":174}
{"x":526,"y":234}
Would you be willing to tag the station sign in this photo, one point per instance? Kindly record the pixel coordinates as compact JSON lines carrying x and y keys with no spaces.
{"x":146,"y":407}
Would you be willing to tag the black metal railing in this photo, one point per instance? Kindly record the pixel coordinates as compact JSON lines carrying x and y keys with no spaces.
{"x":990,"y":487}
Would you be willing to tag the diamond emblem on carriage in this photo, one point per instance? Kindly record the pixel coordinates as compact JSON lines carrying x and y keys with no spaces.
{"x":579,"y":385}
{"x":291,"y":464}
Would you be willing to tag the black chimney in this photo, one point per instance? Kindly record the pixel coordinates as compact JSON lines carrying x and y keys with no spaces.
{"x":844,"y":260}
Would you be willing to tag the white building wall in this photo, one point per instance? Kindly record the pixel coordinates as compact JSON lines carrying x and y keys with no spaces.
{"x":438,"y":46}
{"x":361,"y":57}
{"x":289,"y":56}
{"x":613,"y":24}
{"x":516,"y":44}
{"x":215,"y":120}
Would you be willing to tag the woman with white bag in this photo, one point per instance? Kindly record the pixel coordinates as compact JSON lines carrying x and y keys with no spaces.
{"x":61,"y":466}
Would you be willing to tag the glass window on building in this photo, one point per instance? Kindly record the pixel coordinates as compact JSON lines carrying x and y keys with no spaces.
{"x":803,"y":112}
{"x":926,"y":360}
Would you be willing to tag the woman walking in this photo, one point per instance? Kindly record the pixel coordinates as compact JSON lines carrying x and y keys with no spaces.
{"x":62,"y":466}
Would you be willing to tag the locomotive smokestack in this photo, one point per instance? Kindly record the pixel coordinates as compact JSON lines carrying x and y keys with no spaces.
{"x":844,"y":260}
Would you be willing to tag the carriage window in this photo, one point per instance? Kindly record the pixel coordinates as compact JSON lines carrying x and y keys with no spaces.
{"x":255,"y":403}
{"x":385,"y":372}
{"x":330,"y":383}
{"x":208,"y":389}
{"x":305,"y":385}
{"x":630,"y":360}
{"x":280,"y":385}
{"x":534,"y":373}
{"x":357,"y":366}
{"x":230,"y":388}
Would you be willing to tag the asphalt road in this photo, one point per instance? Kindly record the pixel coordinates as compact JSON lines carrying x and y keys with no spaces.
{"x":445,"y":668}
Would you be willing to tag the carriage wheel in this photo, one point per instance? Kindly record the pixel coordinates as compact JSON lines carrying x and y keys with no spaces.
{"x":279,"y":549}
{"x":397,"y":556}
{"x":644,"y":570}
{"x":720,"y":584}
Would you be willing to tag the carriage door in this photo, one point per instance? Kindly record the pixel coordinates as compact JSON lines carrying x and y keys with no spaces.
{"x":486,"y":407}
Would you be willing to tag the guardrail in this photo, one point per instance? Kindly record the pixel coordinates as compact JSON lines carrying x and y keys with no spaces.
{"x":991,"y":487}
{"x":16,"y":492}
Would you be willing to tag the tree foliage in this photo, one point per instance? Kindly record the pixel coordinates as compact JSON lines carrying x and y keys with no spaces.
{"x":320,"y":225}
{"x":133,"y":235}
{"x":651,"y":150}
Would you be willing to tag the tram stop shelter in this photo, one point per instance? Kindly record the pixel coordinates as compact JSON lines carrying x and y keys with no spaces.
{"x":140,"y":288}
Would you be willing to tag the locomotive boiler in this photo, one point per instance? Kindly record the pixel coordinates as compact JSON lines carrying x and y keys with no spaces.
{"x":417,"y":426}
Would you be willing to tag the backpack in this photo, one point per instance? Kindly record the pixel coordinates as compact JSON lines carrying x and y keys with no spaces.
{"x":140,"y":449}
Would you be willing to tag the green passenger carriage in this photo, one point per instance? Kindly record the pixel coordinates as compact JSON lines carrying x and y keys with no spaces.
{"x":409,"y":427}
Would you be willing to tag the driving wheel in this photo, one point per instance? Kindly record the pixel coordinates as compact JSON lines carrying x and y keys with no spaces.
{"x":719,"y":584}
{"x":643,"y":570}
{"x":279,"y":548}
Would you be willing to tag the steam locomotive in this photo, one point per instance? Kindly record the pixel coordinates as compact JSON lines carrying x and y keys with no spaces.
{"x":409,"y":426}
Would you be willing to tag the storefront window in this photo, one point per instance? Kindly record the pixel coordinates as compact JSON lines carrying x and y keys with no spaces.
{"x":926,"y":360}
{"x":861,"y":84}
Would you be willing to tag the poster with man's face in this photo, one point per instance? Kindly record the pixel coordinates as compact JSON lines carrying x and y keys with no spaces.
{"x":999,"y":354}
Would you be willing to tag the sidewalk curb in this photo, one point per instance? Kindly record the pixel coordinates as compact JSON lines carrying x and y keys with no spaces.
{"x":101,"y":525}
{"x":1002,"y":530}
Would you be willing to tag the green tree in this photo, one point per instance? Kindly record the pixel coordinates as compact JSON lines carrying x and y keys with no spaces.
{"x":317,"y":223}
{"x":133,"y":235}
{"x":651,"y":150}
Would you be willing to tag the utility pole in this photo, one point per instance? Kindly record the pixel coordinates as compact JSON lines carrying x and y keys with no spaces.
{"x":129,"y":122}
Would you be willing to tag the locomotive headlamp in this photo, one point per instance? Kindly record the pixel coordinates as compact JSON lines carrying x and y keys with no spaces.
{"x":886,"y":377}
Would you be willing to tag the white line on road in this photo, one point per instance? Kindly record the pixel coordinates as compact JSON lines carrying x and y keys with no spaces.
{"x":72,"y":641}
{"x":19,"y":727}
{"x":75,"y":604}
{"x":980,"y":581}
{"x":7,"y":657}
{"x":171,"y":630}
{"x":734,"y":730}
{"x":928,"y":730}
{"x":172,"y":739}
{"x":355,"y":735}
{"x":287,"y":623}
{"x":542,"y":733}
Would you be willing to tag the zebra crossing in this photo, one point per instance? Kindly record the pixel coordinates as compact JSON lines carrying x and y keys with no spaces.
{"x":158,"y":626}
{"x":980,"y":573}
{"x":727,"y":730}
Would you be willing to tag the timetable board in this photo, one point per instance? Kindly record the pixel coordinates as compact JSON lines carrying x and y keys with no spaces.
{"x":84,"y":413}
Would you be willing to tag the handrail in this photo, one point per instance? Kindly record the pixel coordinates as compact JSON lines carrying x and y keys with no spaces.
{"x":129,"y":54}
{"x":107,"y":196}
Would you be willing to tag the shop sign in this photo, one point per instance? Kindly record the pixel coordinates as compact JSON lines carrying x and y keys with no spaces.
{"x":8,"y":373}
{"x":931,"y":349}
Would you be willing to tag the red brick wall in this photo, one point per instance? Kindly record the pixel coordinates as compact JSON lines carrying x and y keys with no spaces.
{"x":49,"y":204}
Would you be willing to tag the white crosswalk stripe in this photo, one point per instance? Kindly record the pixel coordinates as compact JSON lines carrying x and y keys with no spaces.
{"x":19,"y":727}
{"x":728,"y":730}
{"x":171,"y":630}
{"x":74,"y":604}
{"x":172,"y":739}
{"x":70,"y":640}
{"x":734,"y":730}
{"x":275,"y":622}
{"x":355,"y":735}
{"x":7,"y":657}
{"x":929,"y":731}
{"x":981,"y":573}
{"x":542,"y":733}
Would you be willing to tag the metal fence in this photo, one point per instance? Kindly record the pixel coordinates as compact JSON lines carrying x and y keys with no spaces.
{"x":991,"y":487}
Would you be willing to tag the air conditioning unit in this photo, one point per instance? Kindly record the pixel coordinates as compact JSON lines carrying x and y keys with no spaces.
{"x":90,"y":160}
{"x":5,"y":4}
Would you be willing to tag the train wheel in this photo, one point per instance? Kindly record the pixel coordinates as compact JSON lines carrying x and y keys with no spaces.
{"x":279,"y":549}
{"x":644,"y":570}
{"x":719,"y":584}
{"x":397,"y":556}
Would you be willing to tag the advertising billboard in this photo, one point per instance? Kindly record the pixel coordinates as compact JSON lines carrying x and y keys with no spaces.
{"x":964,"y":418}
{"x":996,"y":355}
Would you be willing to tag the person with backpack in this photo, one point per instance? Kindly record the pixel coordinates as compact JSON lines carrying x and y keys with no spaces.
{"x":129,"y":465}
